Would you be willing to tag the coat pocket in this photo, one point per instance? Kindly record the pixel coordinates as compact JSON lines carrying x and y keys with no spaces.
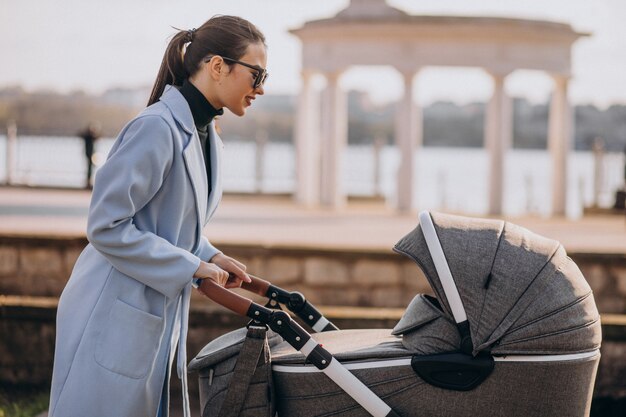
{"x":130,"y":341}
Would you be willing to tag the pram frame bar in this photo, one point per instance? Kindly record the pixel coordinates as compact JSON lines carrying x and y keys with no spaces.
{"x":447,"y":280}
{"x":441,"y":265}
{"x":301,"y":340}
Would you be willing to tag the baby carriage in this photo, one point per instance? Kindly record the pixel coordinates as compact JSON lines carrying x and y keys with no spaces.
{"x":513,"y":330}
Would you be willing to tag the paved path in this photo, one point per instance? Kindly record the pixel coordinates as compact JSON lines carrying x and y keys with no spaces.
{"x":277,"y":221}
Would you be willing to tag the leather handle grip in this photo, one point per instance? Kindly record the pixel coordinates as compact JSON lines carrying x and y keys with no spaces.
{"x":257,"y":286}
{"x":225,"y":297}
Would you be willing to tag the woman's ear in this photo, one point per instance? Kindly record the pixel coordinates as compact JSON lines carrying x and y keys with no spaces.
{"x":216,"y":67}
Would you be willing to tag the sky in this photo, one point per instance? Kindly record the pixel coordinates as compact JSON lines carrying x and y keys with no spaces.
{"x":91,"y":45}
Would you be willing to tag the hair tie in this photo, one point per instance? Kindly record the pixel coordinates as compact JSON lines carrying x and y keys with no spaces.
{"x":189,"y":37}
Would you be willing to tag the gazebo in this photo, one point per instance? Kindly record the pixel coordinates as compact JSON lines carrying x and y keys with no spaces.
{"x":370,"y":32}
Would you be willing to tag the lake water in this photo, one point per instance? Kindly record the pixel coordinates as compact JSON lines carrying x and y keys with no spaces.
{"x":454,"y":179}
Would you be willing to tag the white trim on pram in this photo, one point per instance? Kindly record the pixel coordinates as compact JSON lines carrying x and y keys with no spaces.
{"x":320,"y":324}
{"x":303,"y":369}
{"x":308,"y":347}
{"x":359,"y":392}
{"x":441,"y":265}
{"x":350,"y":384}
{"x":547,"y":358}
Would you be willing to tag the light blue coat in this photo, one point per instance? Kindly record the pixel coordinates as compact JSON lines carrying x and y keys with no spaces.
{"x":127,"y":302}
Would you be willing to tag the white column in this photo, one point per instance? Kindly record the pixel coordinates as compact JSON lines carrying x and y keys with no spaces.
{"x":598,"y":173}
{"x":307,"y":142}
{"x":408,"y":131}
{"x":261,"y":139}
{"x":559,"y":142}
{"x":498,"y":138}
{"x":11,"y":151}
{"x":334,"y":140}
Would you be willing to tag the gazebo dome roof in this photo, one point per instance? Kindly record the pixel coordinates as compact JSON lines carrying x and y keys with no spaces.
{"x":373,"y":14}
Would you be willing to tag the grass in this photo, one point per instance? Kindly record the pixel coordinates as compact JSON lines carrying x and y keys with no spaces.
{"x":23,"y":402}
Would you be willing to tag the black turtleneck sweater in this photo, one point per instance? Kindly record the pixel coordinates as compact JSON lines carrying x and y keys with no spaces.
{"x":203,"y":113}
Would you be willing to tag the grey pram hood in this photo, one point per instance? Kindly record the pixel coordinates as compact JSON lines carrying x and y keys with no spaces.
{"x":520,"y":291}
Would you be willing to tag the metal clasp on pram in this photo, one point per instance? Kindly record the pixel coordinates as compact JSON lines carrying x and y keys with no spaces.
{"x":293,"y":300}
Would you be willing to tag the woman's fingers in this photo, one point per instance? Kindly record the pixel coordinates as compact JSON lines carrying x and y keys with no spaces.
{"x":239,"y":264}
{"x":239,"y":273}
{"x":213,"y":272}
{"x":234,"y":281}
{"x":233,"y":266}
{"x":219,"y":276}
{"x":224,"y":270}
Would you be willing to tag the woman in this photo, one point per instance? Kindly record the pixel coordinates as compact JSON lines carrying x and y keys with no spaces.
{"x":124,"y":310}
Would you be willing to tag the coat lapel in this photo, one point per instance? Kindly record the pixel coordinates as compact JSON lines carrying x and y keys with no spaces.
{"x":216,"y":148}
{"x":197,"y":175}
{"x":192,"y":153}
{"x":194,"y":158}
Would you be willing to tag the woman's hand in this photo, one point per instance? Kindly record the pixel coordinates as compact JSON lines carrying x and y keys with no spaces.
{"x":235,"y":269}
{"x":213,"y":272}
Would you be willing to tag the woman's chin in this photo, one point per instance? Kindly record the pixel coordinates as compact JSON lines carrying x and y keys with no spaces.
{"x":240,"y":111}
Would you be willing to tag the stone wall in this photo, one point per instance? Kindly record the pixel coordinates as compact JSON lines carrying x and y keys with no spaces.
{"x":38,"y":266}
{"x":606,"y":274}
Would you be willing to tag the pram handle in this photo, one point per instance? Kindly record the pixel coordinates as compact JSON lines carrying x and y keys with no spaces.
{"x":277,"y":320}
{"x":300,"y":339}
{"x":293,"y":300}
{"x":257,"y":286}
{"x":225,"y":297}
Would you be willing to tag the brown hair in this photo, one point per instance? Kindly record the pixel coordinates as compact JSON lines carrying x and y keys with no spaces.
{"x":227,"y":36}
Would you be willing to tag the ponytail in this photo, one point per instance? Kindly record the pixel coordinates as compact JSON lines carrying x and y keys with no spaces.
{"x":172,"y":70}
{"x":227,"y":36}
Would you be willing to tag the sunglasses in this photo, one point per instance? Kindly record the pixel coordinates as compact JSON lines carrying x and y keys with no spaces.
{"x":261,"y":73}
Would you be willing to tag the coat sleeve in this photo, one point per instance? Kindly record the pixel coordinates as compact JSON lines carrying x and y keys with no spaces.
{"x":206,"y":250}
{"x":129,"y":179}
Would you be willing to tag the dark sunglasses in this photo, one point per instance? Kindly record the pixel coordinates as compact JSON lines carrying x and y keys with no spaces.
{"x":261,"y":73}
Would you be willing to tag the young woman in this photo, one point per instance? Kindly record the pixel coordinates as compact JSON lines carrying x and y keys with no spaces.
{"x":123,"y":314}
